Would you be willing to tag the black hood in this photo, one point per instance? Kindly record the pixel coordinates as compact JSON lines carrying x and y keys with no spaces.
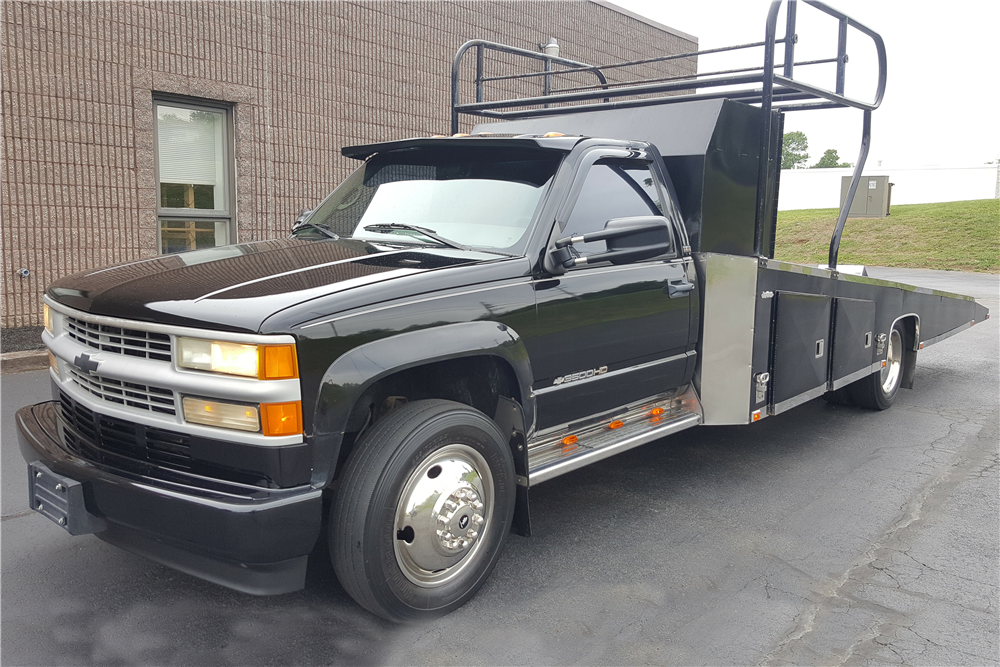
{"x":237,"y":287}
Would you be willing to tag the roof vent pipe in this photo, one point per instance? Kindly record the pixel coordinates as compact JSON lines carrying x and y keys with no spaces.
{"x":552,"y":48}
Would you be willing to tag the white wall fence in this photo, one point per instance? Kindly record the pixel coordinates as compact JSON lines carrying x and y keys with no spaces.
{"x":820,"y":188}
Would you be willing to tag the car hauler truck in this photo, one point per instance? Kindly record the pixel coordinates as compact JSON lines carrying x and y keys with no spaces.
{"x":462,"y":319}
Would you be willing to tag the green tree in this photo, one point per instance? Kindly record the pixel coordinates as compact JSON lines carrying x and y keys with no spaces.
{"x":794,"y":147}
{"x":830,"y":159}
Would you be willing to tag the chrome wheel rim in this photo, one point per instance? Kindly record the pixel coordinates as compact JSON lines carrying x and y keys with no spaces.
{"x":893,"y":363}
{"x":442,"y":514}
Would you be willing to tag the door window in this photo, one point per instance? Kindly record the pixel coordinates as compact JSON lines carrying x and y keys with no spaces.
{"x":614,"y":189}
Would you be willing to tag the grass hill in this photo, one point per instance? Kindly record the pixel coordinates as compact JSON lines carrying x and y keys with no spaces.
{"x":954,"y":236}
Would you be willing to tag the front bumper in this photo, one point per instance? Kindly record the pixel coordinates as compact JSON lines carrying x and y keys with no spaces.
{"x":250,"y":539}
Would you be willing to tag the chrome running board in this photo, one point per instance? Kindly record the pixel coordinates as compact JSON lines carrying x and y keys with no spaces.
{"x":555,"y":454}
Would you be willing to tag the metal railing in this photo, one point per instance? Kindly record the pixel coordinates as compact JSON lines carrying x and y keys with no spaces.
{"x":777,"y":91}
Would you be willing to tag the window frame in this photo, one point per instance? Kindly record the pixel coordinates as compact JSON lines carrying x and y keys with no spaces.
{"x":587,"y":162}
{"x":228,"y":168}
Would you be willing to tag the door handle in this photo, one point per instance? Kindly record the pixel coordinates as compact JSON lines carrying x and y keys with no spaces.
{"x":679,"y":287}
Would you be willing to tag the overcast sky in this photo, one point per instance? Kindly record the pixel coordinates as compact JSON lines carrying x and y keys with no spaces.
{"x":942,"y":99}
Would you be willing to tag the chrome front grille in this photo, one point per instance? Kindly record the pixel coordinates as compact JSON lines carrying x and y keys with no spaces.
{"x":132,"y":394}
{"x":118,"y":340}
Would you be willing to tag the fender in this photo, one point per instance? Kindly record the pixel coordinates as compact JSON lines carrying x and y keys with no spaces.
{"x":352,"y":373}
{"x":911,"y":342}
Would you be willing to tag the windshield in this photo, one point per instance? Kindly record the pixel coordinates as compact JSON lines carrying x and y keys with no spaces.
{"x":484,"y":199}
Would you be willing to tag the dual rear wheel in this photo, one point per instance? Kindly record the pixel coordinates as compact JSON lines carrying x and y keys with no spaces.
{"x":878,"y":390}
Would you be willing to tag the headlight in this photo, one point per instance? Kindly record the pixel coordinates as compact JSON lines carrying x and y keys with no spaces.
{"x":47,"y":315}
{"x":265,"y":362}
{"x":274,"y":419}
{"x":223,"y":415}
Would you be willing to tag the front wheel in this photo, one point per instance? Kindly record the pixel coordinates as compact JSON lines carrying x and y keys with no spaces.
{"x":878,"y":390}
{"x":422,"y":510}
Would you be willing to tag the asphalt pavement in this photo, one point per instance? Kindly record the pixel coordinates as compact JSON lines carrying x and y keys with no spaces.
{"x":824,"y":536}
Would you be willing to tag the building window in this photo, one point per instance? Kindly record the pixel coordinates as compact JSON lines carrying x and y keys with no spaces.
{"x":193,"y":176}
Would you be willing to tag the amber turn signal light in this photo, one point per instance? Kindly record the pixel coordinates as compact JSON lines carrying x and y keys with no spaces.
{"x":277,"y":362}
{"x":281,"y":418}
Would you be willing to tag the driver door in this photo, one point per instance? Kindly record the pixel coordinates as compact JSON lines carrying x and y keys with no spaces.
{"x":611,"y":335}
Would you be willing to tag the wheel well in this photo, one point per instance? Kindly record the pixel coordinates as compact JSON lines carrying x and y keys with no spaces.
{"x":476,"y":381}
{"x":910,"y":324}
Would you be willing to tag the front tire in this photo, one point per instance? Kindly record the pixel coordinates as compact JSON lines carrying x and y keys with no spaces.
{"x":422,"y":510}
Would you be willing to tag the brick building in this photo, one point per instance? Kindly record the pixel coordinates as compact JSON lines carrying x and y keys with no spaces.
{"x":135,"y":128}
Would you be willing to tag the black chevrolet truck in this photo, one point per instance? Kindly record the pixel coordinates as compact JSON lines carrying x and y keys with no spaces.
{"x":465,"y":317}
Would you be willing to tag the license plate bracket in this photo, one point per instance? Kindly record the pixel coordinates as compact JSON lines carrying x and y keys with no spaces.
{"x":61,"y":500}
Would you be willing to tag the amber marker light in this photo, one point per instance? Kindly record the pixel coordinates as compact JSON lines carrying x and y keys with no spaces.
{"x":618,"y":423}
{"x":570,"y":440}
{"x":756,"y":415}
{"x":281,"y":418}
{"x":277,"y":362}
{"x":656,"y":412}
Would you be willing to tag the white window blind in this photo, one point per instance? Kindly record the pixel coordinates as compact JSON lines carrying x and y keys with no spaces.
{"x":191,"y":150}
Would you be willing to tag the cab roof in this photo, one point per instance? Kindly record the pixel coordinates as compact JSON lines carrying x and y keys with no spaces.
{"x":562,"y":144}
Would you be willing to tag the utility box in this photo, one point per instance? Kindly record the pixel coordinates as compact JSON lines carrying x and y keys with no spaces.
{"x":872,"y":198}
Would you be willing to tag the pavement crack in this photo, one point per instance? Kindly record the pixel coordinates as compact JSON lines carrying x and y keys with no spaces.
{"x":870,"y":634}
{"x":911,"y":513}
{"x":902,"y":660}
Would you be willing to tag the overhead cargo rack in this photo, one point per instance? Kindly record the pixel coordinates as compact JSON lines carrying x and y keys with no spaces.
{"x":778,"y":91}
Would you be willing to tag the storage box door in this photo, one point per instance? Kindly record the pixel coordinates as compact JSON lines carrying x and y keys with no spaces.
{"x":853,"y":331}
{"x":800,"y":362}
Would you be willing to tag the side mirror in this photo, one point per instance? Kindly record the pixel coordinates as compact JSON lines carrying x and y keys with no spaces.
{"x":301,"y":218}
{"x":628,"y":240}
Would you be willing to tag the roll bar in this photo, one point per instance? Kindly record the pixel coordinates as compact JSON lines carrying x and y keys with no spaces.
{"x":777,"y":92}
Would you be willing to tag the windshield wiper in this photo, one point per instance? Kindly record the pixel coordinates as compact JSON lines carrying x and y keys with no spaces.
{"x":388,"y":228}
{"x":326,"y":231}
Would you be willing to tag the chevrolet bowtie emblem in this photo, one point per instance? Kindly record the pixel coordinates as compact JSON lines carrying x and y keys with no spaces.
{"x":85,"y":363}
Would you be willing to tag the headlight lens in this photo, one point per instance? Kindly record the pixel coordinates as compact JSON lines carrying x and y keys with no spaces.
{"x":218,"y":356}
{"x":223,"y":415}
{"x":47,"y":315}
{"x":266,"y":362}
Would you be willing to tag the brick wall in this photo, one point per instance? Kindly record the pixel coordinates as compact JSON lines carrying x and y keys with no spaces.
{"x":77,"y":190}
